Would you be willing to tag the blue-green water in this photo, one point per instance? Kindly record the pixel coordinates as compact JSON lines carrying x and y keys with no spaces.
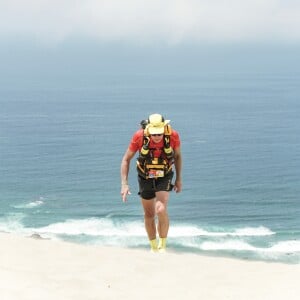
{"x":61,"y":147}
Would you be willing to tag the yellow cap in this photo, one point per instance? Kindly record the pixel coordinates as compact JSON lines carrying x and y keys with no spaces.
{"x":156,"y":124}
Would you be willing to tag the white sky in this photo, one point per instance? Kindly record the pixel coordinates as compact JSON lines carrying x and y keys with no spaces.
{"x":152,"y":21}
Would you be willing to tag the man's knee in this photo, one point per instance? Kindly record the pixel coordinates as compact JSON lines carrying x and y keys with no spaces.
{"x":162,"y":198}
{"x":149,"y":212}
{"x":149,"y":216}
{"x":161,"y":208}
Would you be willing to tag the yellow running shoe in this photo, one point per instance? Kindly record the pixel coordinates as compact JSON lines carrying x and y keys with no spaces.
{"x":162,"y":245}
{"x":153,"y":245}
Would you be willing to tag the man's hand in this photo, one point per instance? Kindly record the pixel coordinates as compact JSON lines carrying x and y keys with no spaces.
{"x":177,"y":186}
{"x":124,"y":192}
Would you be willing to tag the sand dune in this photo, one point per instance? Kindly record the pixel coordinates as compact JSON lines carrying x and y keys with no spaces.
{"x":44,"y":269}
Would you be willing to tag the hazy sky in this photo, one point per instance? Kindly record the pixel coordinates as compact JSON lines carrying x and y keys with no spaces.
{"x":60,"y":39}
{"x":169,"y":22}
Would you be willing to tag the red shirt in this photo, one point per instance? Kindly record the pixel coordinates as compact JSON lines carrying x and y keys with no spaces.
{"x":136,"y":142}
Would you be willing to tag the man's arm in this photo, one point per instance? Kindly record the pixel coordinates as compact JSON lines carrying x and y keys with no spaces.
{"x":178,"y":168}
{"x":125,"y":165}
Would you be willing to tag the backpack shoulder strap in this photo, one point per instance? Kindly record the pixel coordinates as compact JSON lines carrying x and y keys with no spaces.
{"x":168,"y":130}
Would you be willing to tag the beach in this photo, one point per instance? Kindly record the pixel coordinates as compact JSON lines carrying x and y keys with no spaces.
{"x":48,"y":269}
{"x":76,"y":82}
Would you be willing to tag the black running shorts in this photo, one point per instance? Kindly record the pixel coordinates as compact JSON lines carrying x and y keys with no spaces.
{"x":148,"y":187}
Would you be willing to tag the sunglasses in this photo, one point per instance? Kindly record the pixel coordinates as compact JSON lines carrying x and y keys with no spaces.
{"x":160,"y":134}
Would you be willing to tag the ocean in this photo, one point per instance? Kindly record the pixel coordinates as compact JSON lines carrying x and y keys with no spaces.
{"x":61,"y":146}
